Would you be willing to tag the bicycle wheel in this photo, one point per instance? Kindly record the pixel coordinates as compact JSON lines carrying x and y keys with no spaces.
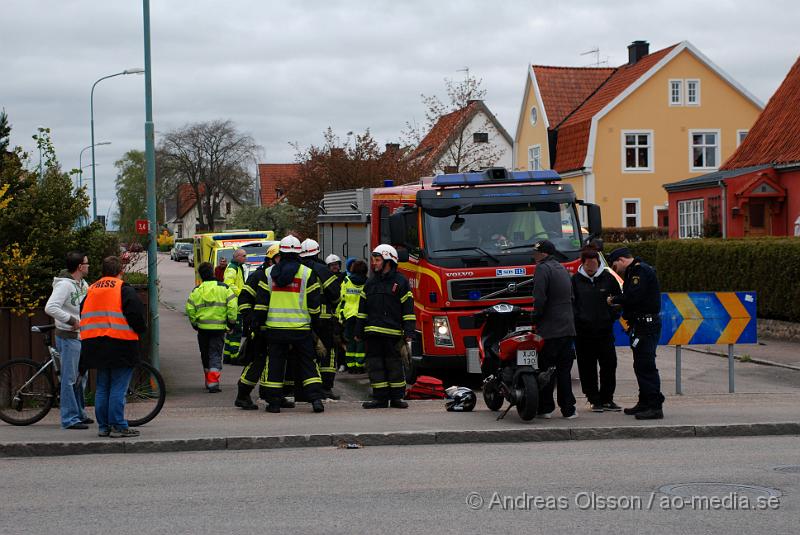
{"x":146,"y":395}
{"x":26,"y":394}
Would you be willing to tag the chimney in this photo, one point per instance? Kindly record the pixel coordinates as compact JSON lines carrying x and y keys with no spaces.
{"x":392,"y":147}
{"x":637,"y":50}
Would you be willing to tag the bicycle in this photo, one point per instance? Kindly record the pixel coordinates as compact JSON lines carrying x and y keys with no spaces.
{"x":29,"y":389}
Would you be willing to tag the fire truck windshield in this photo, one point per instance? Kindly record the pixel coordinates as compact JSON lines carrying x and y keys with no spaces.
{"x":501,"y":232}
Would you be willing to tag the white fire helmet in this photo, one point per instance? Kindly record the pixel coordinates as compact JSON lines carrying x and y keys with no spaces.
{"x":332,"y":259}
{"x":310,"y":248}
{"x":290,"y":244}
{"x":387,"y":252}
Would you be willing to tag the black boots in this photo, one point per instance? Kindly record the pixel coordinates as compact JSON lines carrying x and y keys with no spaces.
{"x":317,"y":405}
{"x":398,"y":404}
{"x":243,"y":400}
{"x":650,"y":414}
{"x":376,"y":404}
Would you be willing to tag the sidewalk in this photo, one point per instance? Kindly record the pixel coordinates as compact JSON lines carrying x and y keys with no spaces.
{"x":766,"y":403}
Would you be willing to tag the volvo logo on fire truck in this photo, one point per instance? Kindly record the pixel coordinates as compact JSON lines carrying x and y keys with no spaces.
{"x":460,"y":274}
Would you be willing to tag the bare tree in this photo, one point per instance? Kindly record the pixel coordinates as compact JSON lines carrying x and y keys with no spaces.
{"x":454,"y":119}
{"x":215,"y":159}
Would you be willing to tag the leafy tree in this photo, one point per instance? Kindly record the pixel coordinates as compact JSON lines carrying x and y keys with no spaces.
{"x":131,"y":192}
{"x":215,"y":159}
{"x":5,"y":135}
{"x":356,"y":162}
{"x":281,"y":218}
{"x":38,"y":225}
{"x":461,"y":153}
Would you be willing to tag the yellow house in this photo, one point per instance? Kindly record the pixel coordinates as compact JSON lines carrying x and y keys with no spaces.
{"x":618,"y":134}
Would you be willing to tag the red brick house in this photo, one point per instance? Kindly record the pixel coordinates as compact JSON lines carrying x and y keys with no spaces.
{"x":270,"y":178}
{"x":756,"y":192}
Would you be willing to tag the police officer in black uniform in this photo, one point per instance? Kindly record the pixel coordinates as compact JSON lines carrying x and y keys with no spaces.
{"x":641,"y":308}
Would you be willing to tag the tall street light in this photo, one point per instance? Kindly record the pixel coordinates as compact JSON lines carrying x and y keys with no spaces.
{"x":136,"y":70}
{"x":150,"y":167}
{"x":80,"y":160}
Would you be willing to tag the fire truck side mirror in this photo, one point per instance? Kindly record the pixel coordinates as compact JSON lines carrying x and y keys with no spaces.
{"x":402,"y":254}
{"x":595,"y":220}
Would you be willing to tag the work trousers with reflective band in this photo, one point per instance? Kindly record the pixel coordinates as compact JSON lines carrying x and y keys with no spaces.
{"x":644,"y":364}
{"x":255,"y":373}
{"x":354,"y":355}
{"x":593,"y":349}
{"x":385,"y":367}
{"x":557,"y":352}
{"x":327,"y":361}
{"x":233,"y":341}
{"x":300,"y":353}
{"x":211,"y":343}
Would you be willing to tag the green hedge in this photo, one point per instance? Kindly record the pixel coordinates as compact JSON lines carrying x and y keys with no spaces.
{"x":769,"y":266}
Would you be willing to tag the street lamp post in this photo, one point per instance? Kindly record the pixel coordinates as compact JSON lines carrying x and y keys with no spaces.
{"x":150,"y":167}
{"x":80,"y":160}
{"x":91,"y":119}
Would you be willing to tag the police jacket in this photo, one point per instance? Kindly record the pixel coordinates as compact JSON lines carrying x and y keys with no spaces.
{"x":592,"y":313}
{"x":289,"y":298}
{"x":247,"y":297}
{"x":641,"y":295}
{"x":234,"y":277}
{"x":107,"y":351}
{"x":212,"y":307}
{"x":331,"y":285}
{"x":552,"y":300}
{"x":386,"y":306}
{"x":350,"y":297}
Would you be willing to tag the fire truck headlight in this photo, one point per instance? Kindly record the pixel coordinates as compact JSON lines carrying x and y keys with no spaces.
{"x":441,"y":331}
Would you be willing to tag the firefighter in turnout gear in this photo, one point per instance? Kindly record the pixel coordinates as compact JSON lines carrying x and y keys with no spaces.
{"x":348,"y":310}
{"x":331,"y":287}
{"x":385,"y":320}
{"x":234,"y":278}
{"x":255,"y":357}
{"x":212,"y":311}
{"x":287,"y":302}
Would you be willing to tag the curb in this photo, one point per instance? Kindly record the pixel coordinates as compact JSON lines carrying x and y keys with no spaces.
{"x":754,"y":360}
{"x":406,"y":438}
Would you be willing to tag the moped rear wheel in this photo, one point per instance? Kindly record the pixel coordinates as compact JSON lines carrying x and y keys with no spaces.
{"x":527,"y":396}
{"x":492,"y":396}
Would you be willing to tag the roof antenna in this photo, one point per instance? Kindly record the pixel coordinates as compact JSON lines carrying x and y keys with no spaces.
{"x":597,"y":62}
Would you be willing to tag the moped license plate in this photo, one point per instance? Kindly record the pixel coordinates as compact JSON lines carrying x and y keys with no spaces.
{"x":528,"y":357}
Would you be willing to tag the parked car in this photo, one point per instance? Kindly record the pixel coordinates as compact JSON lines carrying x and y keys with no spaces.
{"x":181,"y":251}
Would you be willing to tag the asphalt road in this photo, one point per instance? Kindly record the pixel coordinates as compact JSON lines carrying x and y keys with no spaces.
{"x":581,"y":487}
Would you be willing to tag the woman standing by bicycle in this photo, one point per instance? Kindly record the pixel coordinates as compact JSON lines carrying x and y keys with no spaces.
{"x":69,"y":289}
{"x":112,"y":318}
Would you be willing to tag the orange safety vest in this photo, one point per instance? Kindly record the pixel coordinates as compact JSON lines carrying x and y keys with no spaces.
{"x":102,"y":312}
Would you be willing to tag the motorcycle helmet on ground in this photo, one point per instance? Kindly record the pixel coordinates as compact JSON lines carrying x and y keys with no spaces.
{"x":460,"y":399}
{"x":310,"y":248}
{"x":290,"y":244}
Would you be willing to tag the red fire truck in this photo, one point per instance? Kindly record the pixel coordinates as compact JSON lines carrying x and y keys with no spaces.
{"x":465,"y":242}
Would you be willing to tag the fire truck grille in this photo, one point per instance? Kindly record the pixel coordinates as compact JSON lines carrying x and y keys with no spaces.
{"x":460,"y":290}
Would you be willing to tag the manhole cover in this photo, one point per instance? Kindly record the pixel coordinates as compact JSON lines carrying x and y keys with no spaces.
{"x":707,"y":489}
{"x":789,"y":469}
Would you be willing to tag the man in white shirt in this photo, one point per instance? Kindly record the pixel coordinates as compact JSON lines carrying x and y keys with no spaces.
{"x":69,"y":289}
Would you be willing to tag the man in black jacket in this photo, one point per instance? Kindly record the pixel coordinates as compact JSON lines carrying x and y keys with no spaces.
{"x":386,"y":319}
{"x":594,"y":326}
{"x":641,"y":308}
{"x":553,"y":317}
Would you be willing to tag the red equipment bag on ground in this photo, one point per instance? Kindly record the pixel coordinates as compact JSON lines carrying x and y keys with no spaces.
{"x":426,"y":387}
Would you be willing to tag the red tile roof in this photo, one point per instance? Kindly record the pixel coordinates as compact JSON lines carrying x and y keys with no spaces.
{"x":775,"y":136}
{"x":186,"y":198}
{"x":573,"y":125}
{"x":435,"y":142}
{"x":563,"y":89}
{"x":273,"y":177}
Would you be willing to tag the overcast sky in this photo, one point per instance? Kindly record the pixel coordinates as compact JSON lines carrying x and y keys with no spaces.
{"x":284,"y":71}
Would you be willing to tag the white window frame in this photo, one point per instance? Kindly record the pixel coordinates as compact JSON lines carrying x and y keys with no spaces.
{"x":717,"y":154}
{"x":651,"y":152}
{"x":687,"y":210}
{"x":739,"y":136}
{"x":670,"y":100}
{"x":696,"y":102}
{"x":625,"y":215}
{"x":537,"y":167}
